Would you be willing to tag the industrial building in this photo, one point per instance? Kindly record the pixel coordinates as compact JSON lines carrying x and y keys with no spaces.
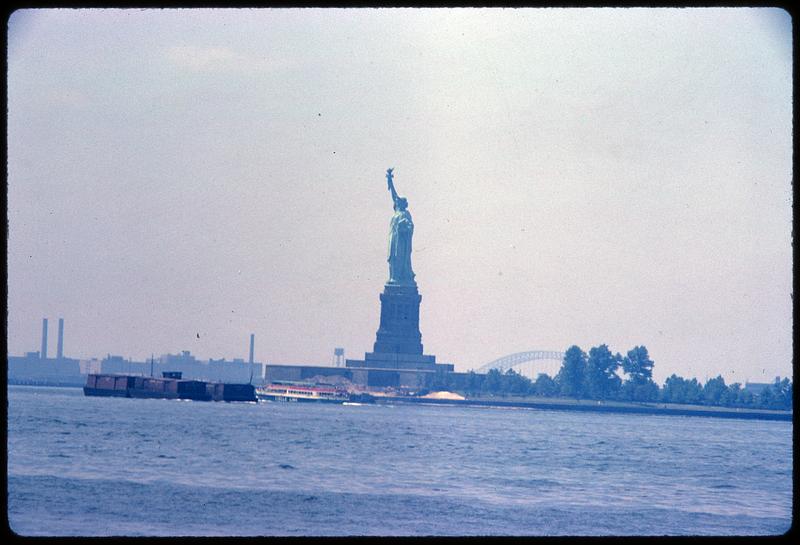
{"x":35,"y":368}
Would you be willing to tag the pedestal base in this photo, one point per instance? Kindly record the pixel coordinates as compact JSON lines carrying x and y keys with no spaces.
{"x":410,"y":369}
{"x":398,"y":332}
{"x":397,"y":358}
{"x":390,"y":360}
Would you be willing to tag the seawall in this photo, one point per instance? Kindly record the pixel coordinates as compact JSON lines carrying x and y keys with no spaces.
{"x":606,"y":407}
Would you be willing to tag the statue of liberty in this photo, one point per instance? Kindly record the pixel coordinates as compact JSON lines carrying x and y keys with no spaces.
{"x":401,"y":231}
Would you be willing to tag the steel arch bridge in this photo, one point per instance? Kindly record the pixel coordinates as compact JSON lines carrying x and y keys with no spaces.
{"x":520,"y":358}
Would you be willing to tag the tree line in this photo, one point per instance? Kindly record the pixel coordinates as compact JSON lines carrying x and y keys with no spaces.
{"x":596,"y":376}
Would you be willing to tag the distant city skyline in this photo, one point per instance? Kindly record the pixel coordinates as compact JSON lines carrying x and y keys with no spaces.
{"x":46,"y":342}
{"x":180,"y":179}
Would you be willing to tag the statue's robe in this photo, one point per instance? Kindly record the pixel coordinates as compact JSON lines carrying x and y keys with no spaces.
{"x":401,"y":231}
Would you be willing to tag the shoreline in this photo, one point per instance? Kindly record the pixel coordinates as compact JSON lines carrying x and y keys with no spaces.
{"x":561,"y":404}
{"x":602,"y":407}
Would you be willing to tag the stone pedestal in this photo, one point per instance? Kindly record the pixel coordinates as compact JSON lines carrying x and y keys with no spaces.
{"x":397,"y":358}
{"x":398,"y":332}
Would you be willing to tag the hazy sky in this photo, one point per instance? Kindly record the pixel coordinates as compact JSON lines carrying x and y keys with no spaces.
{"x":576,"y":176}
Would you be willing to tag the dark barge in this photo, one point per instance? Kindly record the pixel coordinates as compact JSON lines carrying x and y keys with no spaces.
{"x":169,"y":386}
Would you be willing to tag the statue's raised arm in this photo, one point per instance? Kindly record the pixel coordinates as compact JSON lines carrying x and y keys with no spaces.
{"x":390,"y":182}
{"x":400,"y":232}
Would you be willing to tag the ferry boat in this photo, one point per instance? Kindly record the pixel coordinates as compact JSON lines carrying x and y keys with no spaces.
{"x":301,"y":392}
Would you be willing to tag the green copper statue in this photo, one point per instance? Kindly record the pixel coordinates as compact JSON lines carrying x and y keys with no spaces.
{"x":401,"y":231}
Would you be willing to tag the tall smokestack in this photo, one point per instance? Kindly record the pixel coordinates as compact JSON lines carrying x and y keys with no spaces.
{"x":60,"y":349}
{"x":43,"y":353}
{"x":252,"y":346}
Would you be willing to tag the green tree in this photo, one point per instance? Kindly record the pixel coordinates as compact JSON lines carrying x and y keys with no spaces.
{"x":694,"y":392}
{"x":746,"y":398}
{"x":442,"y":381}
{"x":516,"y":383}
{"x":601,"y":377}
{"x":674,"y":390}
{"x":493,"y":382}
{"x":638,"y":365}
{"x":777,"y":396}
{"x":545,"y":386}
{"x":714,"y":390}
{"x":644,"y":391}
{"x":570,"y":378}
{"x":730,"y":397}
{"x":783,"y":391}
{"x":639,"y":368}
{"x":473,"y":383}
{"x":766,"y":398}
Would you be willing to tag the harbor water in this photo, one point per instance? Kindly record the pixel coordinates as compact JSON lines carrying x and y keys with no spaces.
{"x":95,"y":466}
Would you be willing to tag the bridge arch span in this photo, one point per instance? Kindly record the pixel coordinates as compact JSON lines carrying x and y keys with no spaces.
{"x":520,"y":358}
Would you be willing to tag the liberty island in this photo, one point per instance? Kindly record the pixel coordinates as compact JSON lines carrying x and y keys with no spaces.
{"x":397,"y":359}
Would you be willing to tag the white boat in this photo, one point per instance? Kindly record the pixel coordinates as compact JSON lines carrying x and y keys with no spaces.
{"x":293,"y":392}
